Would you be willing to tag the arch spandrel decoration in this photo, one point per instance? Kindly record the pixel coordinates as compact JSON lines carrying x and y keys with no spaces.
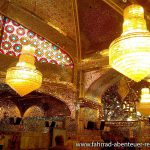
{"x":99,"y":86}
{"x":9,"y":109}
{"x":64,"y":92}
{"x":15,"y":36}
{"x":34,"y":111}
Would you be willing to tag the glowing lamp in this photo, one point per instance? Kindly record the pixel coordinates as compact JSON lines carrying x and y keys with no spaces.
{"x":144,"y":105}
{"x":129,"y":54}
{"x":24,"y":78}
{"x":145,"y":95}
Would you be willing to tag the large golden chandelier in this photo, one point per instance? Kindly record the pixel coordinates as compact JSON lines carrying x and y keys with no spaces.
{"x":24,"y":78}
{"x":130,"y":53}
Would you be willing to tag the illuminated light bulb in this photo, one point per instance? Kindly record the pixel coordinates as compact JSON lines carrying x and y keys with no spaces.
{"x":131,"y":109}
{"x":24,"y":78}
{"x":130,"y":118}
{"x":124,"y":106}
{"x":129,"y":54}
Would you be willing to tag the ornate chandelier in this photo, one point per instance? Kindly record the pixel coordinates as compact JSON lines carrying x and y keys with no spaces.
{"x":145,"y":95}
{"x":144,"y":104}
{"x":129,"y":54}
{"x":24,"y":78}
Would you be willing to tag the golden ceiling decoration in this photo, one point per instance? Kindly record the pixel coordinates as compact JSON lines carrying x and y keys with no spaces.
{"x":129,"y":54}
{"x":58,"y":13}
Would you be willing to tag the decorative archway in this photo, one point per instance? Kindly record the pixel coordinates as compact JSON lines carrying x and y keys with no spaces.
{"x":98,"y":87}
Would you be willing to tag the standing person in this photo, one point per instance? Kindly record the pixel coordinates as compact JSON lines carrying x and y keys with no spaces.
{"x":2,"y":140}
{"x":13,"y":141}
{"x":59,"y":144}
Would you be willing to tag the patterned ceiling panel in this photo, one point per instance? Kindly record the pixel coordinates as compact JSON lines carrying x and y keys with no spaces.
{"x":57,"y":12}
{"x":15,"y":36}
{"x":99,"y":25}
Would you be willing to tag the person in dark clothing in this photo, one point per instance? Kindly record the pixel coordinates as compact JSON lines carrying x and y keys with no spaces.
{"x":2,"y":138}
{"x":59,"y":144}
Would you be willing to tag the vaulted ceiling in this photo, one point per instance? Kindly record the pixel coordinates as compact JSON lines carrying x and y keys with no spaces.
{"x":99,"y":21}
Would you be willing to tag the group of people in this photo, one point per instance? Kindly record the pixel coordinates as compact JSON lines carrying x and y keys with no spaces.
{"x":68,"y":145}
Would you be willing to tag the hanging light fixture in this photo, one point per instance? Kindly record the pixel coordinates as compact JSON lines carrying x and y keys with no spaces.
{"x":24,"y":78}
{"x":145,"y":95}
{"x":144,"y":104}
{"x":130,"y":53}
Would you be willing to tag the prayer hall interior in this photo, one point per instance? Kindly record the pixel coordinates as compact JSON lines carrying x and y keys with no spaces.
{"x":75,"y":72}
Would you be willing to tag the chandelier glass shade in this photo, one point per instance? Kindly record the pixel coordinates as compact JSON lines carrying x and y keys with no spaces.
{"x":144,"y":104}
{"x":130,"y":53}
{"x":24,"y":78}
{"x":145,"y":95}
